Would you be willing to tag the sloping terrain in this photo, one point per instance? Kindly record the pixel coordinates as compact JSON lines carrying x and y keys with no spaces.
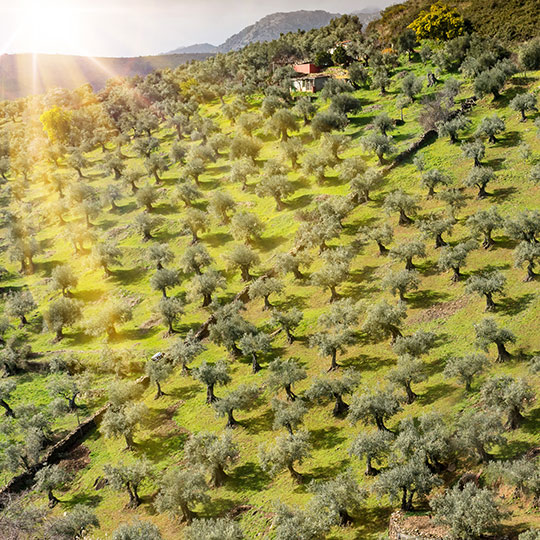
{"x":446,"y":308}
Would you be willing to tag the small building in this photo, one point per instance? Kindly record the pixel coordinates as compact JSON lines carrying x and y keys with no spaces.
{"x":310,"y":84}
{"x":306,"y":68}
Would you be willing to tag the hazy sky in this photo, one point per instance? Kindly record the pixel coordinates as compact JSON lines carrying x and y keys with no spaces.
{"x":138,"y":27}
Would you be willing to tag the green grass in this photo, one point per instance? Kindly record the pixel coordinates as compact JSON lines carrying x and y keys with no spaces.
{"x":183,"y":411}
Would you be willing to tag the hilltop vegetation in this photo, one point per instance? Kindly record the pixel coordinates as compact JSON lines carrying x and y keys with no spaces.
{"x":509,"y":21}
{"x":296,"y":317}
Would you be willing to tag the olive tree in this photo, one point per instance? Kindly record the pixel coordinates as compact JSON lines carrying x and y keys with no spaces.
{"x":19,"y":304}
{"x":63,"y":279}
{"x":243,"y":258}
{"x":288,"y":414}
{"x":373,"y":445}
{"x":375,"y":407}
{"x":327,"y":388}
{"x":483,"y":223}
{"x":451,"y":127}
{"x":341,"y":496}
{"x":165,"y":279}
{"x":61,"y":312}
{"x":275,"y":186}
{"x":170,"y":310}
{"x":287,"y":321}
{"x":129,"y":477}
{"x":432,"y":178}
{"x":487,"y":333}
{"x":195,"y":258}
{"x":184,"y":351}
{"x":158,"y":370}
{"x":465,"y":368}
{"x":263,"y":287}
{"x":253,"y":344}
{"x":487,"y":284}
{"x":284,"y":453}
{"x":213,"y":453}
{"x":283,"y":374}
{"x":454,"y":258}
{"x":379,"y":144}
{"x":384,"y":320}
{"x":401,"y":282}
{"x":407,"y":371}
{"x":407,"y":251}
{"x":212,"y":375}
{"x":529,"y":254}
{"x":469,"y":511}
{"x":523,"y":103}
{"x":479,"y":177}
{"x":509,"y":395}
{"x":381,"y":235}
{"x":138,"y":530}
{"x":478,"y":430}
{"x":490,"y":127}
{"x":206,"y":285}
{"x":405,"y":204}
{"x":404,"y":481}
{"x":51,"y":478}
{"x":214,"y":529}
{"x":475,"y":151}
{"x":241,"y":398}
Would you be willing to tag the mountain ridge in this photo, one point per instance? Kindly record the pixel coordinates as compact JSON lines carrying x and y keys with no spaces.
{"x":273,"y":25}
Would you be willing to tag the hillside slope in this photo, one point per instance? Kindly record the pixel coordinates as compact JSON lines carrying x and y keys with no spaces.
{"x":26,"y":74}
{"x":105,"y":212}
{"x":510,"y":21}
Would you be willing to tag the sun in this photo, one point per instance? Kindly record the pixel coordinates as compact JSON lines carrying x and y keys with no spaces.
{"x":50,"y":25}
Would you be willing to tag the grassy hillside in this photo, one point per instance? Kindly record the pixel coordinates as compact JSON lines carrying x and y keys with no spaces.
{"x":439,"y":306}
{"x":512,"y":21}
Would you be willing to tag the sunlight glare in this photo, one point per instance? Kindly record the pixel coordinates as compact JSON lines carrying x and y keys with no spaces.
{"x":51,"y":24}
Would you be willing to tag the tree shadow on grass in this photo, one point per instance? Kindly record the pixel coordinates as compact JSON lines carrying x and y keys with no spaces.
{"x":326,"y":472}
{"x":299,"y":202}
{"x":159,"y":448}
{"x":258,"y":424}
{"x":425,"y":299}
{"x":248,"y":477}
{"x":72,"y":339}
{"x":500,"y":195}
{"x":513,"y":306}
{"x":372,"y":521}
{"x":129,"y":276}
{"x":531,"y":422}
{"x":89,"y":499}
{"x":47,"y":266}
{"x":325,"y":438}
{"x":369,"y":363}
{"x":186,"y":392}
{"x":216,"y":240}
{"x":510,"y":139}
{"x":435,"y":392}
{"x":269,"y":243}
{"x":165,"y":209}
{"x":135,"y":334}
{"x":219,"y":506}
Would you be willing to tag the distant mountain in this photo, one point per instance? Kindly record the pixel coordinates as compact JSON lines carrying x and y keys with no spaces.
{"x":198,"y":48}
{"x":272,"y":26}
{"x":52,"y":70}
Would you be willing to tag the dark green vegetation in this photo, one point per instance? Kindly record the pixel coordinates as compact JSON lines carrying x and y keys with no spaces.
{"x":512,"y":20}
{"x":373,"y":316}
